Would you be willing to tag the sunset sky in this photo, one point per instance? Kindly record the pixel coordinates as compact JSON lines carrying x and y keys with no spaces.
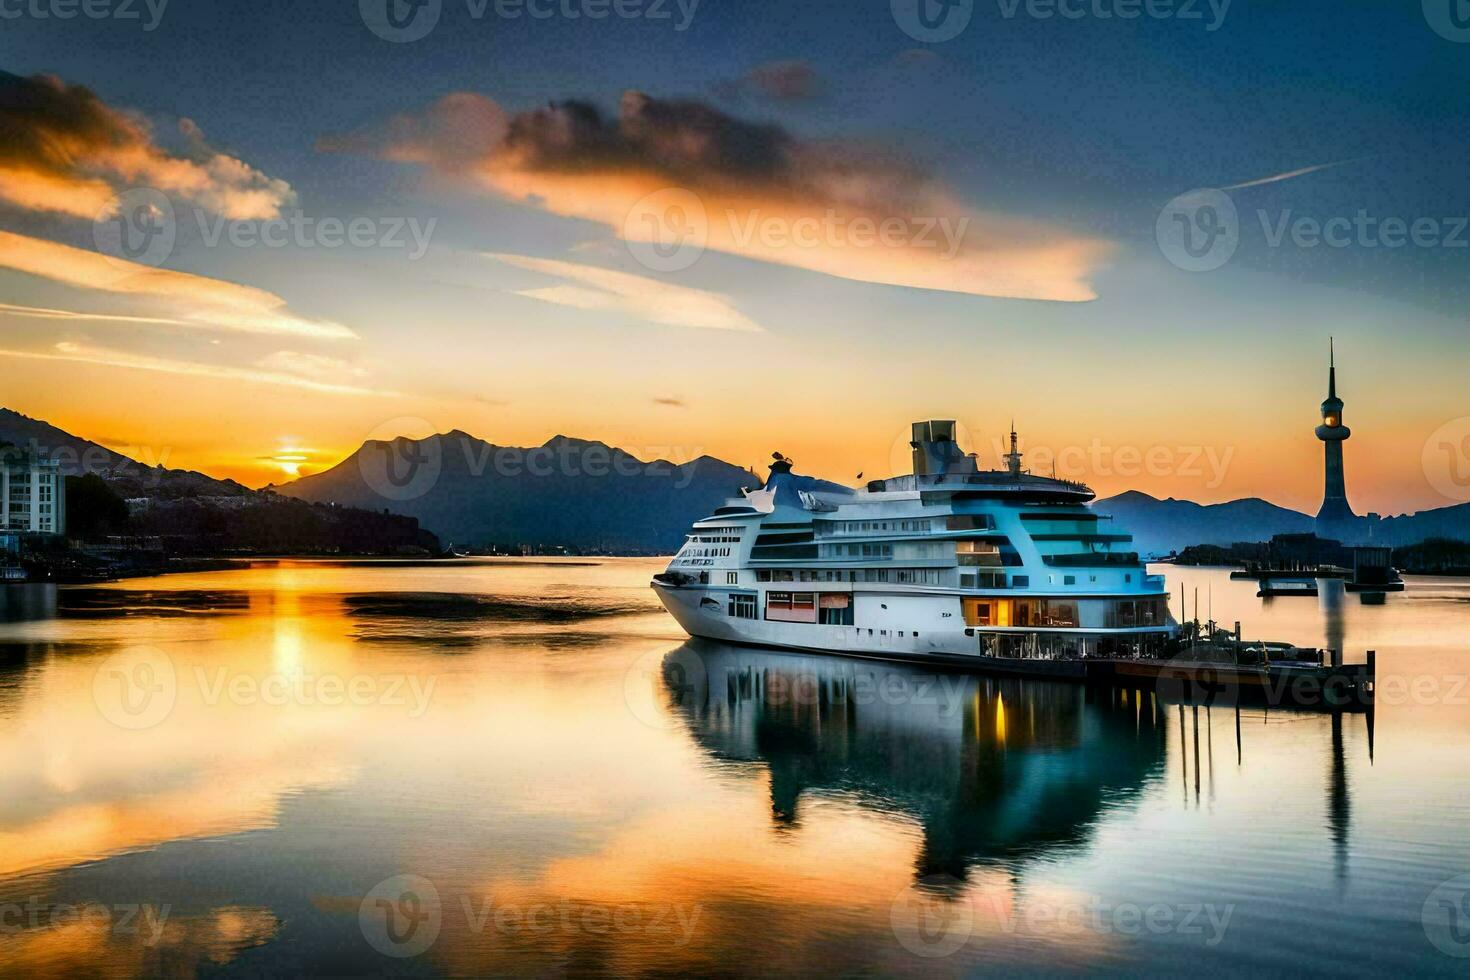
{"x":506,"y":174}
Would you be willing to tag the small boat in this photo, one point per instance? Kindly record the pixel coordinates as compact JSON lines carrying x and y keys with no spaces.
{"x":1287,"y":587}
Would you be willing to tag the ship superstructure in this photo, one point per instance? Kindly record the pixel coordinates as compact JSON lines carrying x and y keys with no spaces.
{"x":950,"y":561}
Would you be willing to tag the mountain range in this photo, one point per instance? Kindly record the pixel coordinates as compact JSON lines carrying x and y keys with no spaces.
{"x":566,"y":492}
{"x":1161,"y":526}
{"x":572,"y":493}
{"x":191,"y":513}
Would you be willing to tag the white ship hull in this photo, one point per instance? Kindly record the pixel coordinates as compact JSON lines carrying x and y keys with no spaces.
{"x":916,"y":642}
{"x":948,"y":564}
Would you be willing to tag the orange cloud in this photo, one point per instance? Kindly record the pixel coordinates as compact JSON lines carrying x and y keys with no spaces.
{"x":63,"y":150}
{"x":197,"y":300}
{"x":743,"y":188}
{"x":653,"y":300}
{"x":284,"y":368}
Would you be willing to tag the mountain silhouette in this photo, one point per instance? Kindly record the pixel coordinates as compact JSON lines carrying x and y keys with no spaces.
{"x":567,"y":492}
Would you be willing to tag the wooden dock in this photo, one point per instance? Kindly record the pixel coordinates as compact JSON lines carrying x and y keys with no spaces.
{"x":1288,"y":684}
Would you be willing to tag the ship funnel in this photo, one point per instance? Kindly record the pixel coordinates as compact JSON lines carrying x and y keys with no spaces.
{"x":935,"y":449}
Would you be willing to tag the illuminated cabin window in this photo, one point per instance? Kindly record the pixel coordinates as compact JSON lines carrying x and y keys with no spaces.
{"x":1333,"y":421}
{"x":1020,"y":612}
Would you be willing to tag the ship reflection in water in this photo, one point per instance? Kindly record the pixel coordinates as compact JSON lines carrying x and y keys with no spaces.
{"x":587,"y":792}
{"x":995,"y":770}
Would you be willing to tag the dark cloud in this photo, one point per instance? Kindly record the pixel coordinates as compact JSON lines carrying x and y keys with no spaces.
{"x":63,"y":150}
{"x":745,"y":183}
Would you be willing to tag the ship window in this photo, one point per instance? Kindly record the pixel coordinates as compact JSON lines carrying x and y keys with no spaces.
{"x":1069,"y":580}
{"x":1021,"y":581}
{"x":742,"y":606}
{"x":732,"y":578}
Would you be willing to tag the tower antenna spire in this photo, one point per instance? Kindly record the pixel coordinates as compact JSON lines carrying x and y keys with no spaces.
{"x":1331,"y":369}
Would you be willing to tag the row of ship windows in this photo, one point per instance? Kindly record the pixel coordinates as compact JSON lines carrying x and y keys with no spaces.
{"x":688,"y":552}
{"x":902,"y":576}
{"x":864,"y":527}
{"x":862,"y":550}
{"x":952,"y":522}
{"x":800,"y":607}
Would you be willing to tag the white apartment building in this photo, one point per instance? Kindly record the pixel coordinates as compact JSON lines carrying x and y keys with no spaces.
{"x":32,"y":493}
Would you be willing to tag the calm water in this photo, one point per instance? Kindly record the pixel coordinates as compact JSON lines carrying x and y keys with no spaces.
{"x":513,"y":768}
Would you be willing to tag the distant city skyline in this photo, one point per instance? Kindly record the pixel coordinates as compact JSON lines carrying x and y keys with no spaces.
{"x":471,"y":230}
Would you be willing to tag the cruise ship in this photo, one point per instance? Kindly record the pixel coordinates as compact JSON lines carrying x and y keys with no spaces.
{"x":950,"y":563}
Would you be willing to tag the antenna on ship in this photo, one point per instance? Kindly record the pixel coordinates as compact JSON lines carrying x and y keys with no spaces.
{"x":1013,"y":458}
